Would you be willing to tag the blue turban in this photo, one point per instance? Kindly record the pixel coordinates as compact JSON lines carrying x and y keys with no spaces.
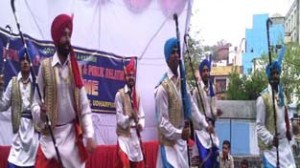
{"x":273,"y":66}
{"x":169,"y":45}
{"x":205,"y":62}
{"x":276,"y":64}
{"x":22,"y":54}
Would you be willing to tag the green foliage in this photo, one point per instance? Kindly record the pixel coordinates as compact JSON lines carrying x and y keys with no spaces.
{"x":235,"y":90}
{"x":246,"y":88}
{"x":255,"y":83}
{"x":192,"y":59}
{"x":290,"y":76}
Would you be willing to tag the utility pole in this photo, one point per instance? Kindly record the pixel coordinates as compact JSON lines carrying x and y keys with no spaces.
{"x":297,"y":22}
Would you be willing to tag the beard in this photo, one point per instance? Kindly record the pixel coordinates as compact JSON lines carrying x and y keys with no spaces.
{"x":130,"y":82}
{"x":63,"y":49}
{"x":205,"y":79}
{"x":174,"y":68}
{"x":274,"y":83}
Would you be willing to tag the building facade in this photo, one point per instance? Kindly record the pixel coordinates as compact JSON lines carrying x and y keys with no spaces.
{"x":257,"y":42}
{"x":292,"y":23}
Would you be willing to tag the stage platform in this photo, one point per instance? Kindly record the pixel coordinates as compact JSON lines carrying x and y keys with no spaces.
{"x":104,"y":156}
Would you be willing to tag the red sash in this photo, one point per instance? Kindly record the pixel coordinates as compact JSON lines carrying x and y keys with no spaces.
{"x":79,"y":142}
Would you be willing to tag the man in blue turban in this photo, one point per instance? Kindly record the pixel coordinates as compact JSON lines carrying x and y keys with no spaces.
{"x":18,"y":96}
{"x":273,"y":72}
{"x":205,"y":98}
{"x":172,"y":131}
{"x":267,"y":141}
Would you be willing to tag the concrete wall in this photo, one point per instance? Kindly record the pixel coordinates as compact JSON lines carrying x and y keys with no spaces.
{"x":237,"y":124}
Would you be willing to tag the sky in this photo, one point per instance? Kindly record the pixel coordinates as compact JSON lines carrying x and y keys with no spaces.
{"x":214,"y":20}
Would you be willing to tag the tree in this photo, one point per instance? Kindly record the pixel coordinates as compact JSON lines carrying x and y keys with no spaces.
{"x":235,"y":90}
{"x":195,"y":53}
{"x":248,"y":88}
{"x":255,"y":83}
{"x":291,"y":71}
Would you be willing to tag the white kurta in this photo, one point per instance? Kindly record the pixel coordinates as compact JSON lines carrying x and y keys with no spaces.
{"x":228,"y":163}
{"x":202,"y":134}
{"x":285,"y":151}
{"x":64,"y":131}
{"x":129,"y":145}
{"x":176,"y":155}
{"x":25,"y":141}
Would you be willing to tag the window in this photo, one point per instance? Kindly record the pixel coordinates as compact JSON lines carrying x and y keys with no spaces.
{"x":220,"y":85}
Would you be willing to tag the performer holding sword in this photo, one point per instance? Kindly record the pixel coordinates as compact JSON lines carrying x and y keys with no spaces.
{"x":18,"y":96}
{"x":174,"y":107}
{"x":130,"y":121}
